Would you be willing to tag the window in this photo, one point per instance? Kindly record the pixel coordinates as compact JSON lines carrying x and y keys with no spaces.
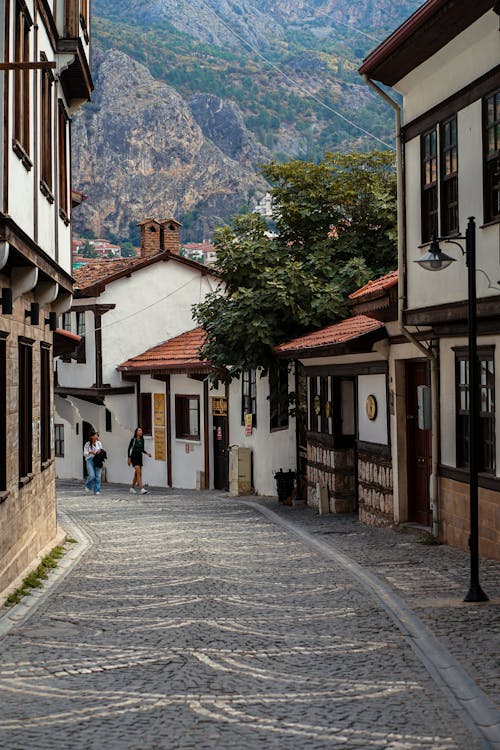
{"x":63,"y":162}
{"x":449,"y":177}
{"x":249,"y":395}
{"x":80,"y":323}
{"x":486,"y":437}
{"x":492,"y":157}
{"x":46,"y":131}
{"x":84,"y":17}
{"x":45,"y":410}
{"x":145,"y":410}
{"x":3,"y":415}
{"x":59,"y":440}
{"x":81,"y":357}
{"x":25,"y":410}
{"x":22,"y":81}
{"x":278,"y":396}
{"x":109,"y":424}
{"x":66,"y":321}
{"x":429,"y":185}
{"x":187,"y":417}
{"x":320,"y":405}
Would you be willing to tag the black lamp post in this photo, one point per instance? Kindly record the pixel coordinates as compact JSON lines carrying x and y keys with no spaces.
{"x":435,"y":260}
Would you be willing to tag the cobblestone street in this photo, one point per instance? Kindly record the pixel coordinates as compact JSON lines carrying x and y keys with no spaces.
{"x":195,"y":621}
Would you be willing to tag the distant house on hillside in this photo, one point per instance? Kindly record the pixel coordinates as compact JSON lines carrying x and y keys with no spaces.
{"x":204,"y":252}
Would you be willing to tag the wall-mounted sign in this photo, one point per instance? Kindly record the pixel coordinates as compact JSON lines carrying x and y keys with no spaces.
{"x":371,"y":407}
{"x":248,"y":424}
{"x":159,"y":426}
{"x":219,"y":407}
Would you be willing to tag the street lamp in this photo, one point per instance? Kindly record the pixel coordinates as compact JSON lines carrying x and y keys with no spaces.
{"x":435,"y":260}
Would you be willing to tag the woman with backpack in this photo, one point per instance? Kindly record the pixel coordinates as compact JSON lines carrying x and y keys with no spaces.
{"x":93,"y":453}
{"x":135,"y":451}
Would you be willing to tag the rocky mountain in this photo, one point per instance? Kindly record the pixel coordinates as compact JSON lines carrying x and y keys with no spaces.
{"x":192,"y":95}
{"x":140,"y":151}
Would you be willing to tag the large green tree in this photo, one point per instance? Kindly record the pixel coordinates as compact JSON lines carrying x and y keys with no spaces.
{"x":336,"y":226}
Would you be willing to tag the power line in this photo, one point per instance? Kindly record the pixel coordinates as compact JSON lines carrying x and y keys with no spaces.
{"x":309,"y":93}
{"x":348,"y":25}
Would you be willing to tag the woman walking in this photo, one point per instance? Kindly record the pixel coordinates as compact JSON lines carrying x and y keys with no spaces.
{"x":135,"y":451}
{"x":92,"y":448}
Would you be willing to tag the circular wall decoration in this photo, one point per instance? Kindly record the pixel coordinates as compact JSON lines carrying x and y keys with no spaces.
{"x":371,"y":407}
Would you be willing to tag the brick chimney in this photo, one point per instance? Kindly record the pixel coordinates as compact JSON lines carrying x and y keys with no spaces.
{"x":150,"y":237}
{"x":170,"y":236}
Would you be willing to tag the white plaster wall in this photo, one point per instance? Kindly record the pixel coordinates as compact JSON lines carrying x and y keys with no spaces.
{"x":271,"y":451}
{"x":372,"y":431}
{"x":152,"y":306}
{"x":468,"y":56}
{"x":186,"y":464}
{"x":70,"y":412}
{"x":80,"y":374}
{"x":448,"y":404}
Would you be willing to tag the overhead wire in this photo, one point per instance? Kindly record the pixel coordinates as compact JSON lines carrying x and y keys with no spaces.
{"x":290,"y":80}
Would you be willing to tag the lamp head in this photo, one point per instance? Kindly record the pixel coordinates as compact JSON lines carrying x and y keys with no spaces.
{"x":434,"y":259}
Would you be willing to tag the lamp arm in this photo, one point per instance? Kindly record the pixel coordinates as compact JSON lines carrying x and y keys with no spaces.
{"x":454,"y":242}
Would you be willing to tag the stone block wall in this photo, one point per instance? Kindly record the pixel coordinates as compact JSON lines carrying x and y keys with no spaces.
{"x":455,"y":517}
{"x":375,"y":490}
{"x":27,"y":514}
{"x":334,"y":469}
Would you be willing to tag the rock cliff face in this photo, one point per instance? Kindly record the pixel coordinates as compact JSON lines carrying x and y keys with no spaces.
{"x":139,"y":151}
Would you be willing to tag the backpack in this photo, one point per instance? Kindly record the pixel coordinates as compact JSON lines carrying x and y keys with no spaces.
{"x":100,"y":458}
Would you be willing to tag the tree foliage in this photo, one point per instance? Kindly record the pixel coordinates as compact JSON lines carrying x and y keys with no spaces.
{"x":337,"y":228}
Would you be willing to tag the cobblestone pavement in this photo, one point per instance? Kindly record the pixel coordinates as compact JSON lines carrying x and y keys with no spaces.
{"x":194,"y":622}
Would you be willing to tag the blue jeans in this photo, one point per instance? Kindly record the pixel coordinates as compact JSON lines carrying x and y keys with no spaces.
{"x":94,"y":476}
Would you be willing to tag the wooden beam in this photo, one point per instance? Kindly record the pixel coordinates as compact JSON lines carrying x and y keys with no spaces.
{"x":27,"y":65}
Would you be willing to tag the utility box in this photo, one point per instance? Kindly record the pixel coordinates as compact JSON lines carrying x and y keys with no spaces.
{"x":240,"y":470}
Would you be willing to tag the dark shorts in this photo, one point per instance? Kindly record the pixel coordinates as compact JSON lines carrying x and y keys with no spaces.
{"x":136,"y":459}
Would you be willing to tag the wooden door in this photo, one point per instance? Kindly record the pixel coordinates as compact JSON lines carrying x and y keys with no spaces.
{"x":221,"y":454}
{"x":419,"y":447}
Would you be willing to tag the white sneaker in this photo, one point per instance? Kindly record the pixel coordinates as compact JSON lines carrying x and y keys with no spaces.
{"x":144,"y":492}
{"x":132,"y":491}
{"x":86,"y":489}
{"x":97,"y":493}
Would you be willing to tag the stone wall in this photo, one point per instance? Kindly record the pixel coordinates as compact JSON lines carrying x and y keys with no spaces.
{"x":332,"y":468}
{"x":375,"y":490}
{"x":27,"y":514}
{"x":455,"y":517}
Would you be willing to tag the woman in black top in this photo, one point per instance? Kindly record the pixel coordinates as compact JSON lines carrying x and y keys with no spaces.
{"x":135,"y":451}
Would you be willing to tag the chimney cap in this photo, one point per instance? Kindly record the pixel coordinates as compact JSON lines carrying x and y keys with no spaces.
{"x":148,"y":221}
{"x":171,"y":221}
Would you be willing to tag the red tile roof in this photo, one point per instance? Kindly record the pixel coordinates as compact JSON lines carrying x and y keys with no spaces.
{"x":373,"y":288}
{"x":179,"y":354}
{"x":98,"y":273}
{"x":338,"y":333}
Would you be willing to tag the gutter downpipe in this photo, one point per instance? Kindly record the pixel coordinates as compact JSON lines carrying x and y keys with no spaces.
{"x":427,"y":352}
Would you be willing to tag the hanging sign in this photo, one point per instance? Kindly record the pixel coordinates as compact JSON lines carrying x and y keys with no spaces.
{"x":219,"y":433}
{"x":248,"y":424}
{"x":219,"y":406}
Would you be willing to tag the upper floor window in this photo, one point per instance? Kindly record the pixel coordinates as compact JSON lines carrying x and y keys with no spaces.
{"x":249,"y":395}
{"x":66,"y":321}
{"x":486,"y":437}
{"x":429,"y":185}
{"x":22,"y":79}
{"x":80,"y":323}
{"x":449,"y":177}
{"x":25,"y":395}
{"x":278,"y":396}
{"x":492,"y":157}
{"x":46,"y":125}
{"x":62,"y":132}
{"x":45,"y":401}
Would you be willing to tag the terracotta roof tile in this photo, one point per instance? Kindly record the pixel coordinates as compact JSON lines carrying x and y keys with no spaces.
{"x":378,"y":285}
{"x":98,"y":270}
{"x":179,"y":353}
{"x":338,"y":333}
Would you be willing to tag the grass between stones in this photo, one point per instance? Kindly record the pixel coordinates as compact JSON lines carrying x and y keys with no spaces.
{"x":35,"y":579}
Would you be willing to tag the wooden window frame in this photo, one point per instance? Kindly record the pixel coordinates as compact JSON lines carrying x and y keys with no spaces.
{"x":278,"y":397}
{"x":59,"y":440}
{"x":146,"y":413}
{"x":66,"y":321}
{"x":47,"y":138}
{"x":249,"y":395}
{"x":491,"y":158}
{"x":22,"y":81}
{"x":182,"y":417}
{"x":320,"y":422}
{"x":45,"y":405}
{"x":429,"y":184}
{"x":25,"y":396}
{"x":63,"y":165}
{"x":448,"y":142}
{"x":486,"y":426}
